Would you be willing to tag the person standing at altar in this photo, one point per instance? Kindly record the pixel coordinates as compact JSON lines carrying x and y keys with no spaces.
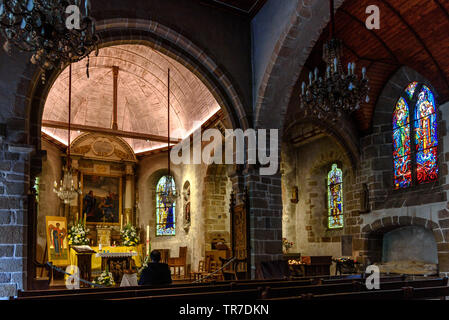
{"x":155,"y":273}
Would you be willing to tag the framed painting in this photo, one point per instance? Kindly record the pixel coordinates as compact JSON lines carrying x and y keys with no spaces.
{"x":102,"y":199}
{"x":57,"y":242}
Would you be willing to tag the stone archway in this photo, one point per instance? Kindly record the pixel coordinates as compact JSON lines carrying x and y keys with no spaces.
{"x":369,"y":245}
{"x":31,"y":94}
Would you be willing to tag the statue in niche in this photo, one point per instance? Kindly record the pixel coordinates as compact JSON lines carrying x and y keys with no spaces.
{"x":365,"y":206}
{"x":186,"y":210}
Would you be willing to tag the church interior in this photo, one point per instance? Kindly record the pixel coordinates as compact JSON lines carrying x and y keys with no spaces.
{"x":345,"y":98}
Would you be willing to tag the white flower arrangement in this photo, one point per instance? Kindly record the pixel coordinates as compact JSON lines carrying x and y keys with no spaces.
{"x":105,"y":279}
{"x":129,"y":236}
{"x":77,"y":235}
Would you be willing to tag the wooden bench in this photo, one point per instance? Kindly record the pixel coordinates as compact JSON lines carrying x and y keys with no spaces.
{"x":291,"y":292}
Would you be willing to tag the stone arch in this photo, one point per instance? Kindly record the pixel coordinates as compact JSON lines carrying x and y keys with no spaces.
{"x":287,"y":60}
{"x":32,"y":93}
{"x":377,"y":149}
{"x":372,"y":236}
{"x":393,"y":89}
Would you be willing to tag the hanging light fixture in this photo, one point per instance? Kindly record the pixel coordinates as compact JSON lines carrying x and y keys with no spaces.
{"x":169,"y":194}
{"x":337,"y":92}
{"x":67,"y":191}
{"x":39,"y":27}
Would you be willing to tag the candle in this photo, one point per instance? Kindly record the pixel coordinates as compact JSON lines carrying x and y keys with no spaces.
{"x":316,"y":74}
{"x":55,"y":184}
{"x":303,"y":88}
{"x":148,"y":239}
{"x":353,"y":67}
{"x":310,"y":77}
{"x":335,"y":64}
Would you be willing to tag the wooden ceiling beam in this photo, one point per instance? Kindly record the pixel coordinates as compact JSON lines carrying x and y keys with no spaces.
{"x":378,"y":38}
{"x":108,"y":131}
{"x":419,"y":39}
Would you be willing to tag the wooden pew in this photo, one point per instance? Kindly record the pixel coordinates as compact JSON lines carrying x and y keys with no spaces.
{"x":292,"y":292}
{"x":406,"y":293}
{"x":101,"y":293}
{"x":239,"y":295}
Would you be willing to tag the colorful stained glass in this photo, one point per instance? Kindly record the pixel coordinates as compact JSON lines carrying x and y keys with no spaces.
{"x":410,"y":90}
{"x":426,"y":165}
{"x":426,"y":137}
{"x":335,"y":197}
{"x":402,"y":172}
{"x":424,"y":119}
{"x":401,"y":145}
{"x":165,"y":215}
{"x":401,"y":115}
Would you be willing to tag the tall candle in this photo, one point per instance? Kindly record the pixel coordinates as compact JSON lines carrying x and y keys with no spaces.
{"x":148,"y":239}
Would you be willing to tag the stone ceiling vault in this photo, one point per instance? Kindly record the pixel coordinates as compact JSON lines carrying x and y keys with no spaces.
{"x":142,"y":95}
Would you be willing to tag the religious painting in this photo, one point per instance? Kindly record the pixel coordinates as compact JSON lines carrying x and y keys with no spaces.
{"x":335,"y":197}
{"x":57,"y":242}
{"x":102,"y":199}
{"x":165,"y":212}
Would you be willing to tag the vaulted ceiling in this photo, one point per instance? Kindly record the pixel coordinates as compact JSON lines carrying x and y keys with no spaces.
{"x":414,"y":33}
{"x":142,"y":96}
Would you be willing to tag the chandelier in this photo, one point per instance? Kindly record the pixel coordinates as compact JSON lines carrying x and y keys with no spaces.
{"x":169,"y":193}
{"x":39,"y":27}
{"x":67,"y":191}
{"x":338,"y":91}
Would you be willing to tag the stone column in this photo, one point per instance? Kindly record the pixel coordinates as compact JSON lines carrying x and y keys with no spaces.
{"x":129,"y":194}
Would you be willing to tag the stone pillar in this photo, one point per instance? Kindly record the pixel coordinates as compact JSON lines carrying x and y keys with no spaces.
{"x":14,"y":219}
{"x":129,"y":194}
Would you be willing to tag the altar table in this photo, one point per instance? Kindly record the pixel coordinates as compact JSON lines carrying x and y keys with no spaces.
{"x":96,"y":260}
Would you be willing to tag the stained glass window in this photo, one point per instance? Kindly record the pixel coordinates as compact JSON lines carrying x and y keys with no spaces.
{"x":426,"y":139}
{"x":165,"y":215}
{"x":410,"y":90}
{"x":401,"y":145}
{"x":424,"y":151}
{"x":335,"y":197}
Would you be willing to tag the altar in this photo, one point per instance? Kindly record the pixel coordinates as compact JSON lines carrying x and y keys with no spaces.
{"x":96,"y":259}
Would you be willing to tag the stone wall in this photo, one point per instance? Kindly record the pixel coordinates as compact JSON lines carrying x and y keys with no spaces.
{"x":305,"y":222}
{"x":216,"y":200}
{"x":209,"y":206}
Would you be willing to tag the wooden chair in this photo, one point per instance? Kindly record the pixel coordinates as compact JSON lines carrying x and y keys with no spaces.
{"x":179,"y":262}
{"x":165,"y":253}
{"x":231,"y":272}
{"x":197,"y":275}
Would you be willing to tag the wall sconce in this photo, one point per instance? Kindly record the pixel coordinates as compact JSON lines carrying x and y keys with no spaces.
{"x":295,"y":192}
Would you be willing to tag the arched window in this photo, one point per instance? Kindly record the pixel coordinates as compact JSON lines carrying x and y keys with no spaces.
{"x":165,"y":215}
{"x":335,"y":197}
{"x":415,"y":160}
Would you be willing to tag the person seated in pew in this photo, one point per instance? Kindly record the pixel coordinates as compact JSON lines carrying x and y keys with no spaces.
{"x":155,"y":273}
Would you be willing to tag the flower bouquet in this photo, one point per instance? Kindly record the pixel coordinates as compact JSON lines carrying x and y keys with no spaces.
{"x":77,"y":235}
{"x":105,"y":279}
{"x":129,"y":236}
{"x":286,"y":244}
